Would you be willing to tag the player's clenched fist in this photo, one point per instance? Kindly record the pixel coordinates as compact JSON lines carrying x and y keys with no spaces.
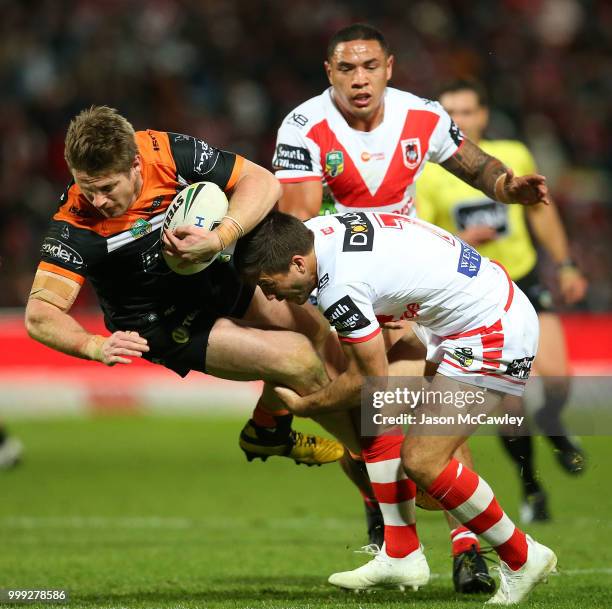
{"x":117,"y":348}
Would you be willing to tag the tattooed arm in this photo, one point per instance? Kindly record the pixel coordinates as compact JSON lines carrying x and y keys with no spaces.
{"x":493,"y":178}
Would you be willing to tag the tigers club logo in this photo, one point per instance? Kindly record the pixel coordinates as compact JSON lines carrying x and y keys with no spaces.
{"x":411,"y":152}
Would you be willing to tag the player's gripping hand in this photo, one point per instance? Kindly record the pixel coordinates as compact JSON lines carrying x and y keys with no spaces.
{"x":293,"y":401}
{"x":191,"y":244}
{"x":117,"y":348}
{"x":527,"y":190}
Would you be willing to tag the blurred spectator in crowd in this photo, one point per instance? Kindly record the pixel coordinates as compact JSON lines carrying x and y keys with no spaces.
{"x":229,"y":71}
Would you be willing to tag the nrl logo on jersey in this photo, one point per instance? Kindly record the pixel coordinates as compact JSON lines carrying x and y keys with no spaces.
{"x":334,"y":163}
{"x":140,"y":228}
{"x":411,"y":152}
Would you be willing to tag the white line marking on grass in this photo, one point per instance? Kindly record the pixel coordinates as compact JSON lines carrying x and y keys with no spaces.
{"x":597,"y":571}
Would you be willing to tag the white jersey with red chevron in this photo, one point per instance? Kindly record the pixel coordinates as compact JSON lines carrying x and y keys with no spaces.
{"x":365,"y":171}
{"x":376,"y":267}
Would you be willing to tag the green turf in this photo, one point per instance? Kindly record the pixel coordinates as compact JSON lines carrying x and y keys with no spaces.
{"x":165,"y":512}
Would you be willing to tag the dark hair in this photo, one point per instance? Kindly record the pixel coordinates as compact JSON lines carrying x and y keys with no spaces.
{"x":466,"y":85}
{"x":99,"y":140}
{"x":271,"y":245}
{"x":357,"y":31}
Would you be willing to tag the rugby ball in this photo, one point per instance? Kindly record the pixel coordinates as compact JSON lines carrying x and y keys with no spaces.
{"x":202,"y":204}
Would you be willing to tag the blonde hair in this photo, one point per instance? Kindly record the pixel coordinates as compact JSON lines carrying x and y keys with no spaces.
{"x":99,"y":140}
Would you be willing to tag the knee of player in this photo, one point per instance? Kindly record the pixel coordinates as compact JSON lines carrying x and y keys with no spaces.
{"x":418,"y":463}
{"x":302,"y":368}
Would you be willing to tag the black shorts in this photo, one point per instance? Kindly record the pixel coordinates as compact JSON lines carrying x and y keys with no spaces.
{"x":539,"y":295}
{"x":178,"y":331}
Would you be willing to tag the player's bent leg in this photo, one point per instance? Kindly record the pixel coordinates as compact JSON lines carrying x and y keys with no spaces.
{"x":400,"y":561}
{"x":238,"y":352}
{"x":469,"y":569}
{"x":523,"y":562}
{"x":551,"y":365}
{"x":308,"y":320}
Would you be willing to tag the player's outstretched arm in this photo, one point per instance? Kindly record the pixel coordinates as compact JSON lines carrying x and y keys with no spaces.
{"x":344,"y":392}
{"x":302,"y":199}
{"x":548,"y":231}
{"x":47,"y":320}
{"x":489,"y":175}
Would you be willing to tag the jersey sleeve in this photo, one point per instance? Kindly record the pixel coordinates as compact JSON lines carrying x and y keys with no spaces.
{"x":348,"y":308}
{"x":446,"y":137}
{"x":296,"y":156}
{"x":197,"y":161}
{"x":69,"y":250}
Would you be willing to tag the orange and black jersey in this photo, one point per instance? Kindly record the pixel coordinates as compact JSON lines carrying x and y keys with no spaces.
{"x":122,"y":256}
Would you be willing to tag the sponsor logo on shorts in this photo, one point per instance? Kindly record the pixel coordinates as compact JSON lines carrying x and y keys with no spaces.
{"x":345,"y":315}
{"x":334,"y":163}
{"x":520,"y":368}
{"x":292,"y":157}
{"x":359,"y":234}
{"x":464,"y":355}
{"x":180,"y":335}
{"x":54,"y":248}
{"x":411,"y":152}
{"x":469,"y":261}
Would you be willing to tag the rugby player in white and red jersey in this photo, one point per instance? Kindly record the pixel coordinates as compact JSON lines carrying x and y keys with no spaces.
{"x":360,"y":146}
{"x":480,"y":331}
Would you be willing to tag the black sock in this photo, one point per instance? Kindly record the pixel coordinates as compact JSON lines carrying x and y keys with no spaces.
{"x":283,"y":423}
{"x":520,"y":449}
{"x":3,"y":434}
{"x":548,"y":417}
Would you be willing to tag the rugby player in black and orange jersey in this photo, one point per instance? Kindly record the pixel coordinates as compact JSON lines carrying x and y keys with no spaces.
{"x":107,"y":230}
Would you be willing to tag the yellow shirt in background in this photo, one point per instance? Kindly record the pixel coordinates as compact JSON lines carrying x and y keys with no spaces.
{"x":450,"y":203}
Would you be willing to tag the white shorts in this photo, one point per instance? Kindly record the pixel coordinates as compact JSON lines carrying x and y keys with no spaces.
{"x":497,"y":357}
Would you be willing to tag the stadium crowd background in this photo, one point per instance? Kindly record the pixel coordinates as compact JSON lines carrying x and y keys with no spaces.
{"x":229,"y":70}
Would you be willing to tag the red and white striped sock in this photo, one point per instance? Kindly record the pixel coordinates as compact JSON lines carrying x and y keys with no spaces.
{"x":470,"y":500}
{"x":462,"y":540}
{"x":395,"y":493}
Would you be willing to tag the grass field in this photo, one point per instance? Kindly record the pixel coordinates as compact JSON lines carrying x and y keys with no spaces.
{"x":165,"y":512}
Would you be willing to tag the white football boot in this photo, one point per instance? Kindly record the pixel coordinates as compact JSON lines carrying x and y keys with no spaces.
{"x":384,"y":571}
{"x":514,"y":586}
